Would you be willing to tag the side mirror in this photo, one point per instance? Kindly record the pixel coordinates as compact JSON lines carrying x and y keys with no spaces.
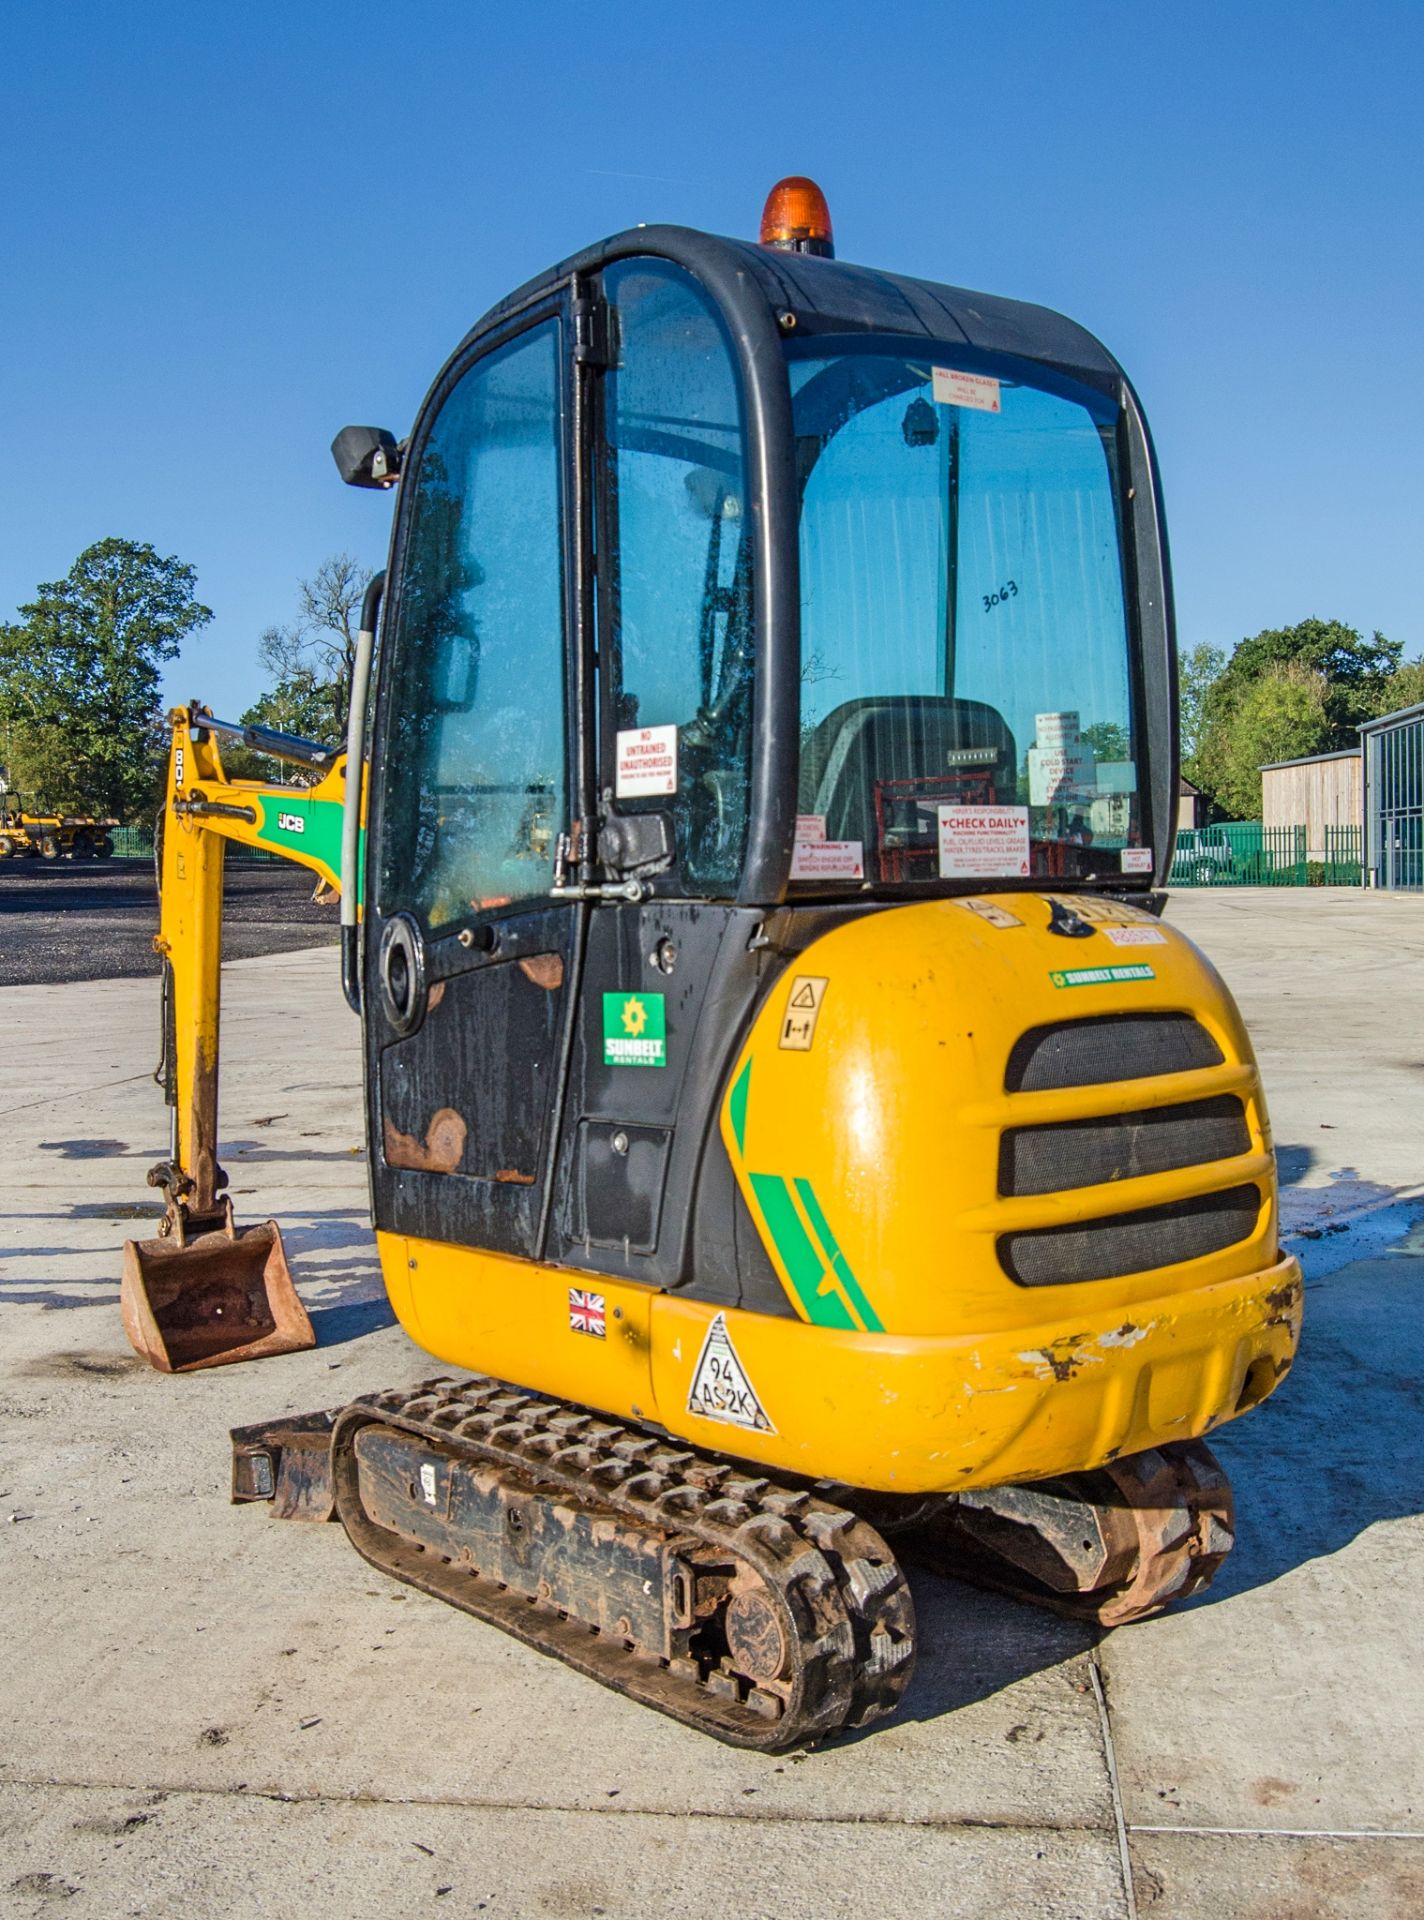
{"x":366,"y":456}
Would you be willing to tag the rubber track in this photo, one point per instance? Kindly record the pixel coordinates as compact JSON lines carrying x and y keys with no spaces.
{"x":843,"y":1600}
{"x":1176,"y":1498}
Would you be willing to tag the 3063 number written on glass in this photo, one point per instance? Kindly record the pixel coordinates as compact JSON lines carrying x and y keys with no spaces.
{"x":1009,"y":591}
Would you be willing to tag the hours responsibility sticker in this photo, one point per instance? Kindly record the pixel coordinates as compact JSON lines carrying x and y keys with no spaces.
{"x":720,"y":1387}
{"x":647,"y":762}
{"x":983,"y":843}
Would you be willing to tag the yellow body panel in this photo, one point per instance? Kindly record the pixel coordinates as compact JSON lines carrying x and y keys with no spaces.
{"x":906,"y":1415}
{"x":923,"y":1366}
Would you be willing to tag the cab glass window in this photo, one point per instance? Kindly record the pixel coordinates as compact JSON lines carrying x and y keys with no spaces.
{"x":475,"y":743}
{"x":676,"y":571}
{"x":967,"y":697}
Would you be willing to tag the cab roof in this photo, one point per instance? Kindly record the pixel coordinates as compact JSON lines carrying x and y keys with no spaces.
{"x":837,"y":297}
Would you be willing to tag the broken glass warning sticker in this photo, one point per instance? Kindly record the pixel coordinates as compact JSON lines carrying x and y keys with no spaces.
{"x":720,"y":1387}
{"x":951,"y":388}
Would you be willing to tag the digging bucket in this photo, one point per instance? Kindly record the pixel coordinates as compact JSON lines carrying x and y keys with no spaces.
{"x":212,"y":1299}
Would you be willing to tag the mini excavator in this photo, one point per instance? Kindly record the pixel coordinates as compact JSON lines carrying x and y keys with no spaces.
{"x":780,"y":1084}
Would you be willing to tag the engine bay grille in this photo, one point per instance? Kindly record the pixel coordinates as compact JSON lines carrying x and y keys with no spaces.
{"x":1130,"y":1242}
{"x":1121,"y":1146}
{"x":1116,"y":1046}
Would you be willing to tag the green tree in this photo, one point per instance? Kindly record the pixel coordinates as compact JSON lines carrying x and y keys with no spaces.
{"x":1196,"y":670}
{"x":301,"y":705}
{"x":1404,"y":687}
{"x":317,"y":652}
{"x":1283,"y":714}
{"x":1355,"y":670}
{"x":80,"y":675}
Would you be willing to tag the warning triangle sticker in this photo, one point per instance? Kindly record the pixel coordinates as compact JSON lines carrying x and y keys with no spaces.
{"x":804,"y":996}
{"x":720,"y":1387}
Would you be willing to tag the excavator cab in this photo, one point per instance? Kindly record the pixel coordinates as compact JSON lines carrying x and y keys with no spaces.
{"x":775,"y":1061}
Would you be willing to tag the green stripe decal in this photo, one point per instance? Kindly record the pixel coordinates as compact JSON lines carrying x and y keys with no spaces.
{"x":870,"y":1319}
{"x":737,"y":1106}
{"x":319,"y":834}
{"x":804,"y":1266}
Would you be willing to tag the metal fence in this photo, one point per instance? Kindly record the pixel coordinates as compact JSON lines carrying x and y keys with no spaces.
{"x":136,"y":843}
{"x":1243,"y":853}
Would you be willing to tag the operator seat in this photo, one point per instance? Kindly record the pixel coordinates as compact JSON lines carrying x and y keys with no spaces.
{"x":877,"y":769}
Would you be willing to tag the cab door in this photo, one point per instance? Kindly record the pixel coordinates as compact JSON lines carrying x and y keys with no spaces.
{"x":469,"y":963}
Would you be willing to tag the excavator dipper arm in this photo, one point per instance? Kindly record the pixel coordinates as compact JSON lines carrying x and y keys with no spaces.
{"x":204,"y":1293}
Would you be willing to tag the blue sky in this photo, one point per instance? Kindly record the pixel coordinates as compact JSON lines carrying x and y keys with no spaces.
{"x":224,"y":232}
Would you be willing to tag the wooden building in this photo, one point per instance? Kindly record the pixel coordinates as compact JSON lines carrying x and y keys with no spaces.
{"x":1323,"y":790}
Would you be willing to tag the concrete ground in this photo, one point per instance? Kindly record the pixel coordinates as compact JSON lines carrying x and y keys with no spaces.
{"x":206,"y":1713}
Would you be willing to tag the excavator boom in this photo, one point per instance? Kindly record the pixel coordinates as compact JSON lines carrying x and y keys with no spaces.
{"x":205,"y":1292}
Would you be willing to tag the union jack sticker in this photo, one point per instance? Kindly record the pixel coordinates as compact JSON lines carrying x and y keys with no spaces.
{"x":587,"y":1313}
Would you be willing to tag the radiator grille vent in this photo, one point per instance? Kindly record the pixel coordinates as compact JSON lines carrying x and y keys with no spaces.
{"x":1121,"y":1146}
{"x":1130,"y":1242}
{"x":1125,"y":1046}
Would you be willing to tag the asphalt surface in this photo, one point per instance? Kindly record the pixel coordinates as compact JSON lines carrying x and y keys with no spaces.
{"x":71,"y":920}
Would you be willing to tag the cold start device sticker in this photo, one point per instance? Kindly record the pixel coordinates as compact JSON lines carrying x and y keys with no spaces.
{"x":983,"y":843}
{"x":634,"y":1030}
{"x":587,"y":1313}
{"x":720,"y":1387}
{"x":954,"y":389}
{"x":803,"y":1010}
{"x":1100,"y":976}
{"x":647,"y":763}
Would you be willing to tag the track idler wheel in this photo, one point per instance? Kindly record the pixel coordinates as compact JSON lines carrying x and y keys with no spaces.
{"x":1112,"y":1545}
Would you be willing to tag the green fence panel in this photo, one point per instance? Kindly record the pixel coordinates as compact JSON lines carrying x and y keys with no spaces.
{"x":1344,"y":856}
{"x":1240,"y":853}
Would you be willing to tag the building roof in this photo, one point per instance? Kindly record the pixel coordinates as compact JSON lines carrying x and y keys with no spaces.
{"x":1415,"y":712}
{"x":1311,"y":759}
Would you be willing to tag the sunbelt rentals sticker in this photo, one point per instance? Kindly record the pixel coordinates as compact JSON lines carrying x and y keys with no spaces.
{"x":634,"y":1030}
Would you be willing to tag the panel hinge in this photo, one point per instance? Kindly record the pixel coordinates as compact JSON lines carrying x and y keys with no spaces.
{"x":563,"y":889}
{"x":593,"y":332}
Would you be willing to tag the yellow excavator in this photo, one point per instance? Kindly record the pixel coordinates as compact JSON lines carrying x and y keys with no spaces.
{"x":780,"y":1084}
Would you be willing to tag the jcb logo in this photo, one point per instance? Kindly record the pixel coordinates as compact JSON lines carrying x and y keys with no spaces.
{"x":291,"y":823}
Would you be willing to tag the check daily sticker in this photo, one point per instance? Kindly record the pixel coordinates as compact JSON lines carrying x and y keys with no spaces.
{"x":1100,"y":976}
{"x":954,"y":389}
{"x":646,"y":762}
{"x":983,"y":843}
